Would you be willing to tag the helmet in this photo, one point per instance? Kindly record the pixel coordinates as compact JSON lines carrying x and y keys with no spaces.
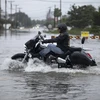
{"x":62,"y":27}
{"x":39,"y":32}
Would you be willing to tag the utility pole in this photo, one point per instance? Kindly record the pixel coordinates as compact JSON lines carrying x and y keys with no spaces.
{"x":60,"y":9}
{"x":0,"y":9}
{"x":5,"y":14}
{"x":11,"y":8}
{"x":16,"y":8}
{"x":19,"y":15}
{"x":19,"y":9}
{"x":54,"y":16}
{"x":16,"y":16}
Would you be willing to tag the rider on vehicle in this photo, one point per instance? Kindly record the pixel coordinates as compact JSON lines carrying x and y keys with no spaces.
{"x":62,"y":40}
{"x":62,"y":43}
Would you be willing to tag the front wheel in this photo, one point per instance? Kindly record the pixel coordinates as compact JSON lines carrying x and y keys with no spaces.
{"x":20,"y":57}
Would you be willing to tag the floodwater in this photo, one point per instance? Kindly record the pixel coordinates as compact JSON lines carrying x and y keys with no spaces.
{"x":42,"y":82}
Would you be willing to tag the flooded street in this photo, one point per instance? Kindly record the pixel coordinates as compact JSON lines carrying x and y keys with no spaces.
{"x":42,"y":82}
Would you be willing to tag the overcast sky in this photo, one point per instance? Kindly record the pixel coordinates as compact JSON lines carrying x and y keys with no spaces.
{"x":37,"y":9}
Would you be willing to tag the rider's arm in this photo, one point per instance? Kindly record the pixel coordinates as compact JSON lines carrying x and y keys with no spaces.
{"x":49,"y":40}
{"x":60,"y":37}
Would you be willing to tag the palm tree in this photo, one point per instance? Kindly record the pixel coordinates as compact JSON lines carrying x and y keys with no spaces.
{"x":57,"y":13}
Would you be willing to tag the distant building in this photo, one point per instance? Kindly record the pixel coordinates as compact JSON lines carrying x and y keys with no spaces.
{"x":7,"y":25}
{"x":3,"y":15}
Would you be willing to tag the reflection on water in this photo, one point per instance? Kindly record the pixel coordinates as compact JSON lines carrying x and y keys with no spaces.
{"x":48,"y":86}
{"x":60,"y":86}
{"x":6,"y":33}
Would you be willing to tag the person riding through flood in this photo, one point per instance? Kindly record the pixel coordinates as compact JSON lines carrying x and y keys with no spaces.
{"x":62,"y":39}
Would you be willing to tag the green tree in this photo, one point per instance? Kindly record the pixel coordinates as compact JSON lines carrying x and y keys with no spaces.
{"x":96,"y":17}
{"x":21,"y":19}
{"x":57,"y":13}
{"x":80,"y":16}
{"x":64,"y":19}
{"x":96,"y":22}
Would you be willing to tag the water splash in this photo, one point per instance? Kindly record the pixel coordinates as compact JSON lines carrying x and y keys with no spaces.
{"x":9,"y":64}
{"x":36,"y":65}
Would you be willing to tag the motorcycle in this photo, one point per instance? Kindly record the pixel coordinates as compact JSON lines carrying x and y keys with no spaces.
{"x":75,"y":56}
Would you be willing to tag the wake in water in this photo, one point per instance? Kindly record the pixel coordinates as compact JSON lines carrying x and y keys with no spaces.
{"x":36,"y":65}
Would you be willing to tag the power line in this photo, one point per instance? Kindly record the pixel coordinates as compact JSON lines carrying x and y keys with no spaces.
{"x":5,"y":14}
{"x":11,"y":8}
{"x":0,"y":9}
{"x":63,"y":1}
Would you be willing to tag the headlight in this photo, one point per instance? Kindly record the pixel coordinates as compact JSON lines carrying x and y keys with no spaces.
{"x":25,"y":48}
{"x":30,"y":55}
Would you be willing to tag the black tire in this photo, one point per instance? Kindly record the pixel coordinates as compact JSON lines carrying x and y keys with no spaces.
{"x":19,"y":57}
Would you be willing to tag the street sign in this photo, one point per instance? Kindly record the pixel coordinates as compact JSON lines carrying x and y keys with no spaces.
{"x":85,"y":34}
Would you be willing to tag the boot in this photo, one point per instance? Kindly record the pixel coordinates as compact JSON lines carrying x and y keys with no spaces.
{"x":65,"y":54}
{"x":69,"y":64}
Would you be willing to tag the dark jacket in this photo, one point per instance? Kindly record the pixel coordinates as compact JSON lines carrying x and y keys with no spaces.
{"x":62,"y":41}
